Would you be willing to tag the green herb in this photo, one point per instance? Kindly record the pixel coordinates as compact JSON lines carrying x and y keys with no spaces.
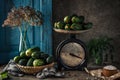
{"x":3,"y":75}
{"x":98,"y":46}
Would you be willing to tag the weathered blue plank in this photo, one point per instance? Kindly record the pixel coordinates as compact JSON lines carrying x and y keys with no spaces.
{"x":12,"y":36}
{"x":46,"y":31}
{"x":2,"y":31}
{"x":17,"y":3}
{"x":4,"y":58}
{"x":36,"y":4}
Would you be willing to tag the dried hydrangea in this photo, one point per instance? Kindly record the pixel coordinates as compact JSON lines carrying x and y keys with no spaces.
{"x":18,"y":16}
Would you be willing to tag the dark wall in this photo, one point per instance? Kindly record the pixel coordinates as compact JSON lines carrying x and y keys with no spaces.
{"x":105,"y":15}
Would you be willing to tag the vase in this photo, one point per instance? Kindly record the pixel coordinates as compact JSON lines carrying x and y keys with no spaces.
{"x":24,"y":43}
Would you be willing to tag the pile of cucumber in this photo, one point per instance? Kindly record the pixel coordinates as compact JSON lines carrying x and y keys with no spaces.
{"x":73,"y":22}
{"x":33,"y":57}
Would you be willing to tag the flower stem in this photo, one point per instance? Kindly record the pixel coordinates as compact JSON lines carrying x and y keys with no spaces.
{"x":23,"y":44}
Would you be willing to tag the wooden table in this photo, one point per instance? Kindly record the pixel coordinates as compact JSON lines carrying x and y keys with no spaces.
{"x":69,"y":75}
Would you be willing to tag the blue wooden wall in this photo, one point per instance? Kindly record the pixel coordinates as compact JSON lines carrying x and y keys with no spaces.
{"x":39,"y":36}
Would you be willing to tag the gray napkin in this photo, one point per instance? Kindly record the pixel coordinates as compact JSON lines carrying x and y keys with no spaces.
{"x":12,"y":69}
{"x":49,"y":72}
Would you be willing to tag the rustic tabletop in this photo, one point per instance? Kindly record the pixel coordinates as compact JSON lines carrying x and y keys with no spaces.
{"x":69,"y":75}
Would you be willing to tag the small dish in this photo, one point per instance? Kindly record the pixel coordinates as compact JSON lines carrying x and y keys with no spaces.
{"x":109,"y":70}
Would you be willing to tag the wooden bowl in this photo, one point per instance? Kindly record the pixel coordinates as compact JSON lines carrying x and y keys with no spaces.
{"x":70,"y":31}
{"x":109,"y":71}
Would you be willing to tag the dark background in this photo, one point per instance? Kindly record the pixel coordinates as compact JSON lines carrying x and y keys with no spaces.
{"x":105,"y":15}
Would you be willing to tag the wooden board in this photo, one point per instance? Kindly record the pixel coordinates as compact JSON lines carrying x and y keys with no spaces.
{"x":70,"y":31}
{"x":98,"y":73}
